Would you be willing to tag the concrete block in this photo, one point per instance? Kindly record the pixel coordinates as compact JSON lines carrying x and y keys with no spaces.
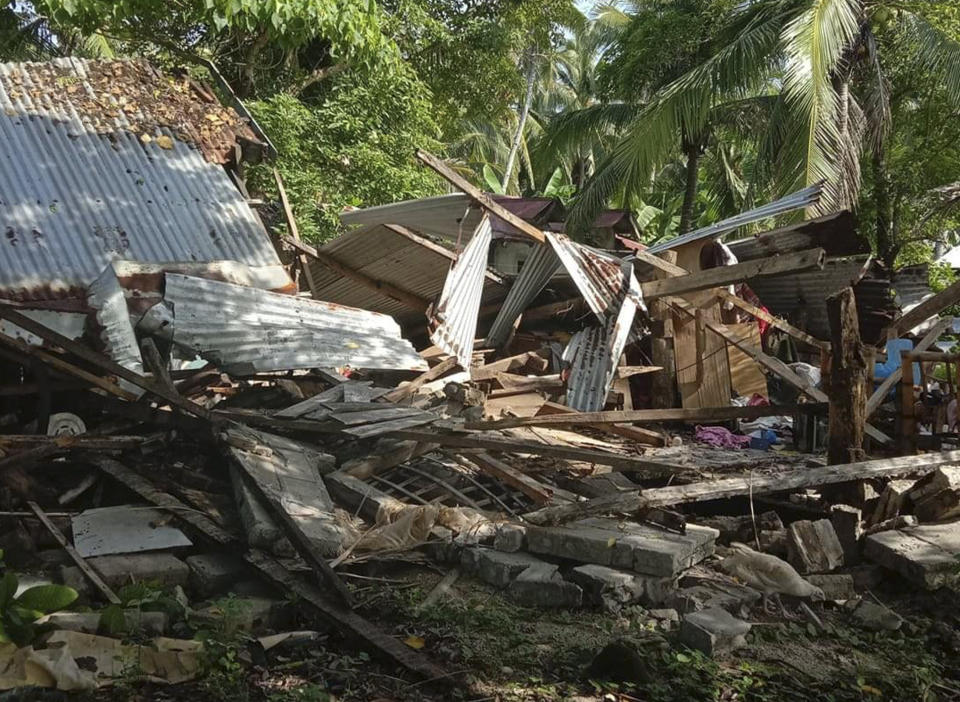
{"x":247,"y":613}
{"x":510,"y":538}
{"x":119,"y":570}
{"x":813,"y":547}
{"x":638,"y":547}
{"x":152,"y":623}
{"x":847,"y":523}
{"x":713,"y":631}
{"x":496,"y":567}
{"x":541,"y":585}
{"x":839,"y":586}
{"x":890,"y":502}
{"x":874,"y":617}
{"x":355,"y":496}
{"x":614,"y":589}
{"x":713,"y":594}
{"x":211,"y":573}
{"x":926,"y":555}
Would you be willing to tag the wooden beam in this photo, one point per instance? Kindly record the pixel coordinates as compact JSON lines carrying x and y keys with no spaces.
{"x":535,"y":490}
{"x":91,"y":574}
{"x":678,"y":414}
{"x":294,"y":232}
{"x":408,"y":299}
{"x":438,"y":371}
{"x":634,"y":501}
{"x":847,"y":380}
{"x":724,"y":275}
{"x":670,"y":268}
{"x":104,"y":363}
{"x":931,"y":356}
{"x":627,"y":431}
{"x":478,"y":196}
{"x":773,"y":321}
{"x":924,"y":311}
{"x":929,"y":339}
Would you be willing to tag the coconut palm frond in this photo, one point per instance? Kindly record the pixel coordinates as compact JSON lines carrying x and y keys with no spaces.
{"x":938,"y":52}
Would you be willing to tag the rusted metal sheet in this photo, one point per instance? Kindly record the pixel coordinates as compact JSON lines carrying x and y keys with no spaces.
{"x":454,"y":322}
{"x":599,"y":277}
{"x":542,"y":264}
{"x":89,"y":174}
{"x":244,"y":330}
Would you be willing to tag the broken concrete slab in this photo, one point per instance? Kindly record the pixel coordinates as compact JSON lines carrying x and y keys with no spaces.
{"x":638,"y":547}
{"x":875,"y":617}
{"x":901,"y":522}
{"x":813,"y":547}
{"x":120,"y":570}
{"x":262,"y":530}
{"x":151,"y":623}
{"x":847,"y":523}
{"x":211,"y":573}
{"x":541,"y":585}
{"x":835,"y":586}
{"x":510,"y":538}
{"x":936,"y":496}
{"x":890,"y":502}
{"x":713,"y":631}
{"x":497,"y":568}
{"x":925,"y":555}
{"x":713,"y":594}
{"x":614,"y":589}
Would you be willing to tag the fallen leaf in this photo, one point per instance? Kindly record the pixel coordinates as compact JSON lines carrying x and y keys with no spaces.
{"x":146,"y":138}
{"x":415,"y":642}
{"x":164,"y":142}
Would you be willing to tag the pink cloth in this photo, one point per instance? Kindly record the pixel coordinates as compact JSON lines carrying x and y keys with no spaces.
{"x":721,"y":437}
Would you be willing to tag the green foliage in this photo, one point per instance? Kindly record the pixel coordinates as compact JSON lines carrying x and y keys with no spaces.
{"x":142,"y":597}
{"x":224,"y":643}
{"x":18,"y":613}
{"x":355,"y":148}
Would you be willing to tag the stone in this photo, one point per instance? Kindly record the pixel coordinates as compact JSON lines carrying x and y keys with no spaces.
{"x":496,"y":567}
{"x":900,"y":522}
{"x":813,"y":547}
{"x":151,"y":623}
{"x":638,"y":547}
{"x":926,"y":555}
{"x":541,"y":585}
{"x":261,"y":528}
{"x":890,"y":502}
{"x":847,"y":523}
{"x":211,"y":573}
{"x":627,"y":659}
{"x":874,"y":617}
{"x":713,"y":631}
{"x":714,"y":594}
{"x":835,"y":586}
{"x":666,"y":615}
{"x":740,"y":528}
{"x":119,"y":570}
{"x":510,"y":538}
{"x":614,"y":589}
{"x":937,"y":496}
{"x":247,"y":613}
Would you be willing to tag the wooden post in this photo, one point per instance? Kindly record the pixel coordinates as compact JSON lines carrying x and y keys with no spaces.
{"x":908,"y":417}
{"x":847,"y":380}
{"x":664,"y":384}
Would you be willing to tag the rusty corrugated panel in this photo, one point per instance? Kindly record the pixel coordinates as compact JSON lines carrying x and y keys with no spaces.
{"x":534,"y":276}
{"x":244,"y":330}
{"x":599,"y":277}
{"x":454,"y":321}
{"x":78,"y":189}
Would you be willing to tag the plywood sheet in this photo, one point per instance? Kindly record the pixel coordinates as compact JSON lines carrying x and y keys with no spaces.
{"x":746,"y":375}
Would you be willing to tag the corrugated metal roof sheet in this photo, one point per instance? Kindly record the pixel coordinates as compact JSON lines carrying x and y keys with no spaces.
{"x":534,"y":276}
{"x":388,"y":255}
{"x":244,"y":330}
{"x":802,"y":198}
{"x":73,"y":197}
{"x":836,"y":234}
{"x":599,"y":277}
{"x":455,"y":317}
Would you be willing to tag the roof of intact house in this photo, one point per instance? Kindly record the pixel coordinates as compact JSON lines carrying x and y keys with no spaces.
{"x":101,"y":160}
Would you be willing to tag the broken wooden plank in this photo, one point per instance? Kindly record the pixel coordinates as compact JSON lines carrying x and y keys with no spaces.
{"x":677,"y":414}
{"x":24,"y":459}
{"x":633,"y":501}
{"x":534,"y":489}
{"x":85,"y":568}
{"x":928,"y":340}
{"x":350,"y":622}
{"x":724,"y":275}
{"x":630,"y":371}
{"x":605,"y":458}
{"x":772,"y":320}
{"x":925,"y":310}
{"x":368,"y":430}
{"x":378,"y":413}
{"x":478,"y":196}
{"x":523,"y":385}
{"x":529,"y":361}
{"x":104,"y":363}
{"x":627,"y":431}
{"x":294,"y":233}
{"x":407,"y":389}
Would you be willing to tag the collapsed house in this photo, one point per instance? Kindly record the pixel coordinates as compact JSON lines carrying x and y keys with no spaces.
{"x":152,"y":336}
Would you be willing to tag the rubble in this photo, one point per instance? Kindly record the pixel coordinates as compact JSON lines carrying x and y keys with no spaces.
{"x":926,"y":554}
{"x":713,"y":631}
{"x":813,"y":547}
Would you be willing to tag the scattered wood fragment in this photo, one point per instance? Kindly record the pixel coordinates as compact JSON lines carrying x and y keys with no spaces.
{"x":407,"y":389}
{"x":535,"y":490}
{"x":632,"y":502}
{"x":88,"y":571}
{"x":529,"y":361}
{"x":627,"y":431}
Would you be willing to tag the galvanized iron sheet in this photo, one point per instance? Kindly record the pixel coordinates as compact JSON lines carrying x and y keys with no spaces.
{"x":534,"y":276}
{"x":599,"y":276}
{"x":106,"y":298}
{"x":72,"y":199}
{"x":244,"y":330}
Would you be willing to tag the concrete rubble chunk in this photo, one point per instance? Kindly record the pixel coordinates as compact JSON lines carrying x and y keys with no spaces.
{"x":510,"y":538}
{"x":248,"y":613}
{"x":813,"y":547}
{"x":901,"y":522}
{"x":213,"y":572}
{"x":152,"y":623}
{"x":835,"y":586}
{"x":614,"y":589}
{"x":937,"y":496}
{"x":119,"y":570}
{"x":875,"y":617}
{"x":926,"y":555}
{"x":890,"y":502}
{"x":713,"y":594}
{"x":847,"y":523}
{"x":541,"y":585}
{"x":713,"y":631}
{"x":639,"y":547}
{"x":496,"y":567}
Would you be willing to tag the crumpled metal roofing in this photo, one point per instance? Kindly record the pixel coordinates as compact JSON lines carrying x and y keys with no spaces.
{"x":836,"y":234}
{"x":72,"y":197}
{"x":106,"y":298}
{"x":454,"y":320}
{"x":599,"y":277}
{"x":537,"y":271}
{"x":245,"y":330}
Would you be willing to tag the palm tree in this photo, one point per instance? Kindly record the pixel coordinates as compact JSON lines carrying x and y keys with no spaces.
{"x":813,"y":51}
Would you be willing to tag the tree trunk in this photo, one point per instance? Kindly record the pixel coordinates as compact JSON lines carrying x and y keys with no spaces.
{"x":521,"y":119}
{"x":886,"y":246}
{"x":847,"y":386}
{"x":692,"y":151}
{"x":247,"y":74}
